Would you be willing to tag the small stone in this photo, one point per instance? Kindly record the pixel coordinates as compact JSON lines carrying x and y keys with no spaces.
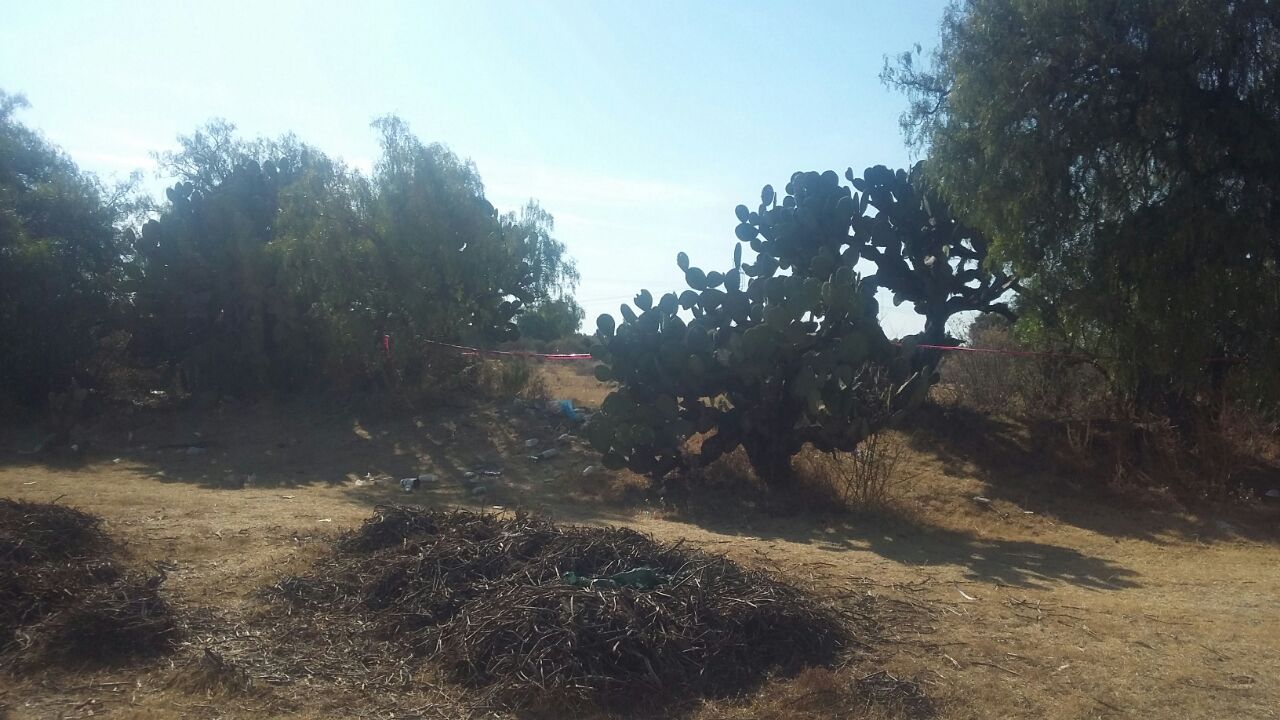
{"x":479,"y":490}
{"x":565,"y":439}
{"x":981,"y":501}
{"x":531,"y":443}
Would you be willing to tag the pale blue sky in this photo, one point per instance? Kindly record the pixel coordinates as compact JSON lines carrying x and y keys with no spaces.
{"x":638,"y":125}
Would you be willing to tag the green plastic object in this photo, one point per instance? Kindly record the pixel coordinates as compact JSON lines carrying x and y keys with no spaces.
{"x":642,"y":578}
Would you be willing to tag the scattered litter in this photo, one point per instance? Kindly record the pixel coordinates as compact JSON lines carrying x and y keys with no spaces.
{"x":566,"y":409}
{"x":492,"y":473}
{"x":531,"y":443}
{"x":115,"y":461}
{"x":966,"y":595}
{"x":287,"y":497}
{"x":468,"y":475}
{"x":33,"y":482}
{"x":984,"y":502}
{"x":588,"y":470}
{"x":409,"y":484}
{"x":325,"y":520}
{"x":565,"y":439}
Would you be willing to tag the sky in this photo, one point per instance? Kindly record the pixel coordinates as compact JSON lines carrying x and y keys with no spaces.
{"x":639,"y":126}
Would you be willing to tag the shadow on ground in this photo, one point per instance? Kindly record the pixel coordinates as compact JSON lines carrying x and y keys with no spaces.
{"x":1020,"y":464}
{"x":895,"y":537}
{"x":358,"y":446}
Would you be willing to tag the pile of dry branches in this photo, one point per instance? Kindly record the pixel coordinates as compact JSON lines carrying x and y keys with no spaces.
{"x":485,"y":597}
{"x":63,"y":597}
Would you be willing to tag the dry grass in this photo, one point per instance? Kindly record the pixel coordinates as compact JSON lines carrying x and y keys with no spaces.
{"x":1081,"y":609}
{"x":871,"y":478}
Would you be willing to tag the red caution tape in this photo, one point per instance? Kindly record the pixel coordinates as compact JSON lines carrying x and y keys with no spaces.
{"x":514,"y":353}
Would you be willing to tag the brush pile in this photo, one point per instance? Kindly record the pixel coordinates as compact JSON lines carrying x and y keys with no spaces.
{"x":501,"y":605}
{"x":63,"y":597}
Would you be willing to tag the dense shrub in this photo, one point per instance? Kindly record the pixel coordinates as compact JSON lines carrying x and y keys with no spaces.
{"x":788,"y":350}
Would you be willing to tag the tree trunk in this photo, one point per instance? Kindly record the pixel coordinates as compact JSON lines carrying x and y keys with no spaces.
{"x":772,"y":462}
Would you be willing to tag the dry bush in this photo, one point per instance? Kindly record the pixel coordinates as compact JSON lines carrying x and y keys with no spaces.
{"x":1020,"y":385}
{"x":1098,"y":435}
{"x":869,"y":478}
{"x":1147,"y":457}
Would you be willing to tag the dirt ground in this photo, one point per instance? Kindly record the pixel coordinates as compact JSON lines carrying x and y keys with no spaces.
{"x":1046,"y":603}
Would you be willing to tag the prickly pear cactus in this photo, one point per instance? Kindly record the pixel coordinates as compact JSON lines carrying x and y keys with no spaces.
{"x":786,"y":350}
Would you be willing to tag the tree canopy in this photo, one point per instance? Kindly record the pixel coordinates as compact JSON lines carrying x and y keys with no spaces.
{"x":268,"y":267}
{"x":60,"y":260}
{"x":1122,"y":156}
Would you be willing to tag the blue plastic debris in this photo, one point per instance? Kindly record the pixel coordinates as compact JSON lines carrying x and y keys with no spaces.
{"x":566,"y":409}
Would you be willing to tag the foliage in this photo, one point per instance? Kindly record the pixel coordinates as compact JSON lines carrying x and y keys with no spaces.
{"x":273,"y":266}
{"x":1123,"y":157}
{"x":1051,"y":383}
{"x":788,"y":350}
{"x":59,"y":261}
{"x":212,"y":287}
{"x":550,"y":319}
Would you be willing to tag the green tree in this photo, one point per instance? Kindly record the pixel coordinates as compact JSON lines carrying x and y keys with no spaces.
{"x":447,"y":265}
{"x":1122,"y":154}
{"x":213,"y":296}
{"x":273,"y":266}
{"x":60,"y":261}
{"x":551,"y":319}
